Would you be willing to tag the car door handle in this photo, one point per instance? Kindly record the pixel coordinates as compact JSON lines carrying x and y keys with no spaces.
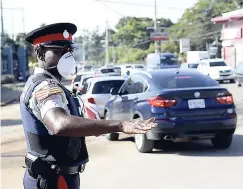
{"x":135,"y":99}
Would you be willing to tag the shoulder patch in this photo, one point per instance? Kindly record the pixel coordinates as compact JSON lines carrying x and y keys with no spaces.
{"x":47,"y":91}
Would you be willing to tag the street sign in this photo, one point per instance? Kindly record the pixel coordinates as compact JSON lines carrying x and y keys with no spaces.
{"x":184,"y":45}
{"x":159,"y":36}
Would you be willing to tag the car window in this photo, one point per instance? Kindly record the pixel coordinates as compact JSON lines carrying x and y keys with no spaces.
{"x":108,"y":70}
{"x":168,"y":60}
{"x":139,"y":67}
{"x":127,"y":87}
{"x":220,"y":63}
{"x":139,"y":85}
{"x":78,"y":78}
{"x":85,"y":79}
{"x":128,"y":66}
{"x":183,"y":81}
{"x":192,"y":65}
{"x":104,"y":87}
{"x":85,"y":88}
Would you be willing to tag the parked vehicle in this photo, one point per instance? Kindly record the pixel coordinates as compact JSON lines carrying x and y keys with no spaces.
{"x":217,"y":69}
{"x":186,"y":104}
{"x":125,"y":68}
{"x":117,"y":69}
{"x":189,"y":65}
{"x":96,"y":91}
{"x":238,"y":74}
{"x":196,"y":56}
{"x":156,"y":61}
{"x":107,"y":71}
{"x":137,"y":68}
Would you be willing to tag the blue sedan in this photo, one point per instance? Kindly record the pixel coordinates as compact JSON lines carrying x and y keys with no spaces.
{"x":186,"y":104}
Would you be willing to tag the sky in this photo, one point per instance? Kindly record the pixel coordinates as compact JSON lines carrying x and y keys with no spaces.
{"x":27,"y":15}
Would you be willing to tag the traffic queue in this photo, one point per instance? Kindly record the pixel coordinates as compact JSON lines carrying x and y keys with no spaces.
{"x":186,"y":103}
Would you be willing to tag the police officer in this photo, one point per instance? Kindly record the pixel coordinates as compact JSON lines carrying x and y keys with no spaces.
{"x":53,"y":126}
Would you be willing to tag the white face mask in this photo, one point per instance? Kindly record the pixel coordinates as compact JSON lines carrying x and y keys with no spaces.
{"x":66,"y":65}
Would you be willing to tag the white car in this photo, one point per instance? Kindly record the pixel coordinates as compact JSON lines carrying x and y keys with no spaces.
{"x":107,"y":71}
{"x":96,"y":92}
{"x":217,"y":69}
{"x":136,"y":68}
{"x":189,"y":65}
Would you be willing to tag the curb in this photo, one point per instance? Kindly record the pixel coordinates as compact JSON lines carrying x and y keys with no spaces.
{"x":9,"y":102}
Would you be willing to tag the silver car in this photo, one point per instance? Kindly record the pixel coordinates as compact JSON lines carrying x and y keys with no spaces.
{"x":96,"y":92}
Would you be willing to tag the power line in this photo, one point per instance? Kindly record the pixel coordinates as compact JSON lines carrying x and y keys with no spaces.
{"x":141,"y":5}
{"x":117,"y":12}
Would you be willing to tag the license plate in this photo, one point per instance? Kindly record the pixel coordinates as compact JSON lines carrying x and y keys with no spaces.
{"x":196,"y":103}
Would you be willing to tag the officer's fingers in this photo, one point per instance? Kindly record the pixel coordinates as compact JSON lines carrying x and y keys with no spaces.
{"x":137,"y":131}
{"x":143,"y":126}
{"x":151,"y":120}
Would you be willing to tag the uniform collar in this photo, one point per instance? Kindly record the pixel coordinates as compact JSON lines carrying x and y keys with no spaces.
{"x":41,"y":70}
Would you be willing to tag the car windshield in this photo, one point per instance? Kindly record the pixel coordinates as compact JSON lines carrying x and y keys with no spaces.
{"x":85,"y":79}
{"x":168,"y":60}
{"x":104,"y":87}
{"x":192,"y":65}
{"x":139,"y":67}
{"x":108,"y":70}
{"x":78,"y":78}
{"x":221,"y":63}
{"x":182,"y":81}
{"x":117,"y":68}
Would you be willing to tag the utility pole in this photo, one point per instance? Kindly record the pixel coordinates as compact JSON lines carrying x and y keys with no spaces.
{"x":83,"y":44}
{"x":2,"y":28}
{"x":107,"y":43}
{"x":156,"y":43}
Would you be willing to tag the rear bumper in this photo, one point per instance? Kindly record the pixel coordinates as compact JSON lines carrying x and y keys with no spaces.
{"x":191,"y":127}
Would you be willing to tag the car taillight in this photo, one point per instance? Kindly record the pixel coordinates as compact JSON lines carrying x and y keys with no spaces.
{"x":159,"y":101}
{"x":91,"y":100}
{"x":225,"y":99}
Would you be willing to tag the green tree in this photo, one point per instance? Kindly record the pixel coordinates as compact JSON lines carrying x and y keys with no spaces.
{"x":196,"y":22}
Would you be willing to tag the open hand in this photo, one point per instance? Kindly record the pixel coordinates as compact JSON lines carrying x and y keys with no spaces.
{"x":138,"y":126}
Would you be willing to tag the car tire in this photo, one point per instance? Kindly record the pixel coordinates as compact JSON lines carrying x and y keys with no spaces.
{"x":110,"y":136}
{"x":238,"y":84}
{"x":222,"y":140}
{"x":143,"y":144}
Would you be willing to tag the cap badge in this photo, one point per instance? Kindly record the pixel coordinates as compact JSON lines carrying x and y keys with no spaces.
{"x":65,"y":34}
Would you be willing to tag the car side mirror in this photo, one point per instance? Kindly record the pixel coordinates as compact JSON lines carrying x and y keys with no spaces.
{"x":114,"y":91}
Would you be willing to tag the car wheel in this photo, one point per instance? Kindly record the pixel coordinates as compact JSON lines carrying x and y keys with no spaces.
{"x":222,"y":140}
{"x":238,"y":84}
{"x":143,"y":144}
{"x":232,"y":81}
{"x":111,"y":136}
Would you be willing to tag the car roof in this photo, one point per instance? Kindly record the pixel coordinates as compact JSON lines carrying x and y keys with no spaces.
{"x":105,"y":78}
{"x":168,"y":72}
{"x":88,"y":75}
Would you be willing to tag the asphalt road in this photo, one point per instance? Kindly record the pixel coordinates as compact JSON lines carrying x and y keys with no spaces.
{"x":118,"y":165}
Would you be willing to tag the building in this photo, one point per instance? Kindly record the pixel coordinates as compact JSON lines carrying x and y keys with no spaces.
{"x":231,"y":36}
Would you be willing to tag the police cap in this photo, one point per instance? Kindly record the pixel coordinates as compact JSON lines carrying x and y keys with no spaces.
{"x":53,"y":35}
